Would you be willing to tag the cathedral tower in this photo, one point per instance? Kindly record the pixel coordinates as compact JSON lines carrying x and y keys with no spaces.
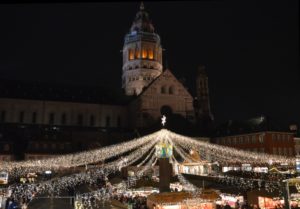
{"x":202,"y":92}
{"x":142,"y":55}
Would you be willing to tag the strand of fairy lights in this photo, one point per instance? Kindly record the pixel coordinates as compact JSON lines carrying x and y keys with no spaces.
{"x":141,"y":172}
{"x":244,"y":182}
{"x":105,"y":153}
{"x":182,"y":153}
{"x":249,"y":183}
{"x":220,"y":153}
{"x":202,"y":153}
{"x":78,"y":159}
{"x":147,"y":157}
{"x":89,"y":177}
{"x":238,"y":155}
{"x":187,"y":185}
{"x":133,"y":157}
{"x":98,"y":195}
{"x":61,"y":183}
{"x":149,"y":164}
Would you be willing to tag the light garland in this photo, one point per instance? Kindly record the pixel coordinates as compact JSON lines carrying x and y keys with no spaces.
{"x":55,"y":187}
{"x":223,"y":154}
{"x":77,"y":159}
{"x":135,"y":150}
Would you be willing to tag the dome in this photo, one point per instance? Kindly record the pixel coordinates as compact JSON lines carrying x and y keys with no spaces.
{"x":142,"y":22}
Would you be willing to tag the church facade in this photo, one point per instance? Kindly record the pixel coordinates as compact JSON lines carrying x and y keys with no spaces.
{"x":154,"y":91}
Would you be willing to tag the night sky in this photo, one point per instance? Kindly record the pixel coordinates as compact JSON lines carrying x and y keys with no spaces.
{"x":250,"y":48}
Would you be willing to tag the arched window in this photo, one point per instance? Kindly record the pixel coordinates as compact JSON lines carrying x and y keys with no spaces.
{"x":92,"y":120}
{"x":3,"y":114}
{"x":130,"y":54}
{"x":144,"y":53}
{"x":137,"y":53}
{"x":119,"y":121}
{"x":107,"y":121}
{"x":80,"y":120}
{"x":21,"y":117}
{"x":51,"y":118}
{"x":33,"y":117}
{"x":63,"y":119}
{"x":163,"y":90}
{"x":171,"y":90}
{"x":150,"y":54}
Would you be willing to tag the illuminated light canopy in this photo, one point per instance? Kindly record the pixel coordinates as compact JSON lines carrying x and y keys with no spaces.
{"x":161,"y":142}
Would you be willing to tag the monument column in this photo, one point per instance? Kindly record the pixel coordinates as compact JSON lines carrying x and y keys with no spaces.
{"x":164,"y":151}
{"x":165,"y":173}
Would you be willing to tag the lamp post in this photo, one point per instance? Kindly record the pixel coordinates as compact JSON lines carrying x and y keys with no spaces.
{"x":286,"y":193}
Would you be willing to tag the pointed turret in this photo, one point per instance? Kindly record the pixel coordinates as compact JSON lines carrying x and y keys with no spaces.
{"x":142,"y":7}
{"x":142,"y":21}
{"x":202,"y":103}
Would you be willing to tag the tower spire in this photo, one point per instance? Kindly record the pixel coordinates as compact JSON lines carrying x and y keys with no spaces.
{"x":142,"y":7}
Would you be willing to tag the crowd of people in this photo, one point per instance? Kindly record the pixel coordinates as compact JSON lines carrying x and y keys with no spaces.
{"x":237,"y":205}
{"x":135,"y":201}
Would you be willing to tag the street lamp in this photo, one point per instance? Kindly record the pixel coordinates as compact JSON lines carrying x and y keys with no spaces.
{"x":287,"y":194}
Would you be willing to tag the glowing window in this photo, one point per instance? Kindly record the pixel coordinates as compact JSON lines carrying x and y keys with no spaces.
{"x":144,"y":53}
{"x":137,"y":53}
{"x":163,"y":90}
{"x":150,"y":54}
{"x":130,"y":54}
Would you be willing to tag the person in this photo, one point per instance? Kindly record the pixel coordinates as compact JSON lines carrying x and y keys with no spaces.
{"x":237,"y":204}
{"x":227,"y":206}
{"x":245,"y":205}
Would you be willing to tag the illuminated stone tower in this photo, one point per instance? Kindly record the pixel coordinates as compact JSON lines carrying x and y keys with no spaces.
{"x":142,"y":55}
{"x":202,"y":101}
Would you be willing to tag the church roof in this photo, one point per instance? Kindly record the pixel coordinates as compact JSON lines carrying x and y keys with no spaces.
{"x":166,"y":71}
{"x":61,"y":92}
